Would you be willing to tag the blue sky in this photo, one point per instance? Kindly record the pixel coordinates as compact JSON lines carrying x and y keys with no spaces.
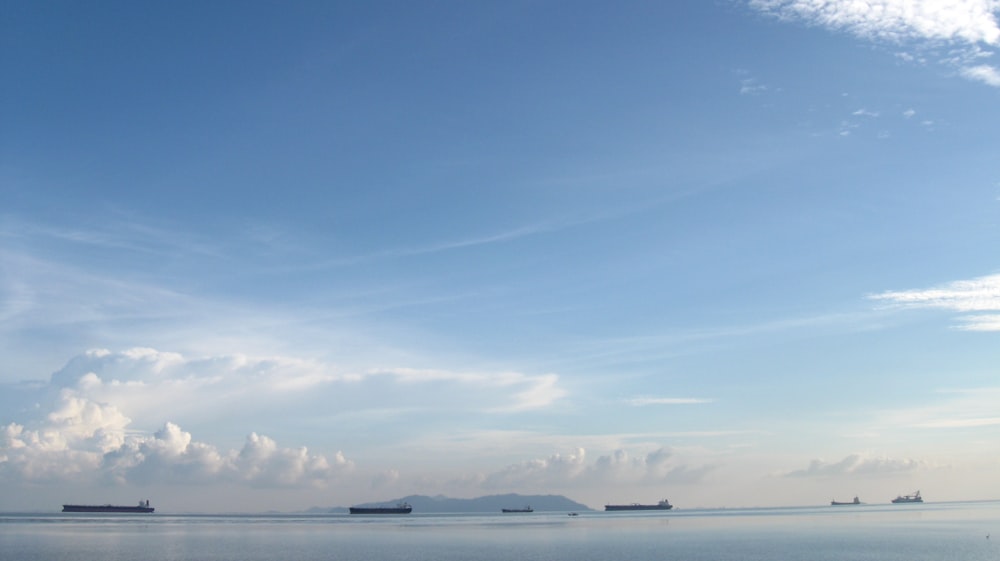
{"x":260,"y":256}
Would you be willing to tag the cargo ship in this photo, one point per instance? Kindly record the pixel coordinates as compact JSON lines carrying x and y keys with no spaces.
{"x":662,"y":505}
{"x":856,"y":501}
{"x":400,"y":508}
{"x":527,"y":508}
{"x":914,"y":498}
{"x":142,"y":508}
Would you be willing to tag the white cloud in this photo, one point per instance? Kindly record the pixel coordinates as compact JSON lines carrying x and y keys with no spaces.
{"x":984,"y":322}
{"x":98,"y":447}
{"x":150,"y":386}
{"x":909,"y":113}
{"x":116,"y":416}
{"x":519,"y":391}
{"x":981,"y":294}
{"x":557,"y":469}
{"x":263,"y":463}
{"x":984,"y":73}
{"x":856,"y":465}
{"x":750,"y":86}
{"x":969,"y":23}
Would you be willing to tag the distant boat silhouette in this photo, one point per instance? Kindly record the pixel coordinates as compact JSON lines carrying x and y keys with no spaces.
{"x":856,"y":501}
{"x":914,"y":498}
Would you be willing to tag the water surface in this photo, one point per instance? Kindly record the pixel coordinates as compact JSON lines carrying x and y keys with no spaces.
{"x":931,"y":532}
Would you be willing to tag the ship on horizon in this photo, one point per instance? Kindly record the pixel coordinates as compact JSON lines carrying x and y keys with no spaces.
{"x":914,"y":498}
{"x":527,"y":508}
{"x":856,"y":501}
{"x":662,"y":505}
{"x":400,"y":508}
{"x":142,"y":508}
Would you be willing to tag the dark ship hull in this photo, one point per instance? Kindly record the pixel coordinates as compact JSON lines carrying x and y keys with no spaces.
{"x":108,"y":508}
{"x":662,"y":505}
{"x":402,"y":508}
{"x":856,"y":501}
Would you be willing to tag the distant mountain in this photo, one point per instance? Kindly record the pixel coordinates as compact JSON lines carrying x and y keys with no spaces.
{"x":491,"y":503}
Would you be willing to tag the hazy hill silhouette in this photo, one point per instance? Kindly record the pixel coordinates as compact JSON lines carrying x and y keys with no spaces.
{"x":487,"y":504}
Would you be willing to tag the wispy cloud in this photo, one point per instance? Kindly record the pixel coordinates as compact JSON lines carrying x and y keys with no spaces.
{"x":956,"y":409}
{"x":645,"y":400}
{"x":972,"y":23}
{"x":116,"y":233}
{"x":451,"y":245}
{"x":750,"y":86}
{"x":980,"y":294}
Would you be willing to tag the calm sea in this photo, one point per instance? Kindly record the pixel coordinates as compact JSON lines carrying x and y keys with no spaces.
{"x":931,"y":532}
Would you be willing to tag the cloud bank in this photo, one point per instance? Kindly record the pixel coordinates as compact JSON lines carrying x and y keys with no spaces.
{"x":85,"y":440}
{"x":856,"y":465}
{"x":116,"y":417}
{"x":573,"y":470}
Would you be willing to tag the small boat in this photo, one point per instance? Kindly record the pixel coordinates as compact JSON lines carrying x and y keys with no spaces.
{"x":400,"y":508}
{"x":856,"y":501}
{"x":573,"y":514}
{"x":143,"y":508}
{"x":662,"y":505}
{"x":527,"y":508}
{"x":914,"y":498}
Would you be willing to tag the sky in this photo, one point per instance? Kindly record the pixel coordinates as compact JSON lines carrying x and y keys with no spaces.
{"x":270,"y":256}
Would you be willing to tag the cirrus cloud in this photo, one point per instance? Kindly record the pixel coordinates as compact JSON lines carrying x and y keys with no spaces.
{"x":980,"y":294}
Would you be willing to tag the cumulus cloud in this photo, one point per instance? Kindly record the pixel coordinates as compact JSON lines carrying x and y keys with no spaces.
{"x":984,"y":73}
{"x":83,"y":437}
{"x":117,"y":416}
{"x":170,"y":455}
{"x":856,"y":465}
{"x":969,"y":23}
{"x":658,"y":466}
{"x":980,"y":294}
{"x":557,"y":468}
